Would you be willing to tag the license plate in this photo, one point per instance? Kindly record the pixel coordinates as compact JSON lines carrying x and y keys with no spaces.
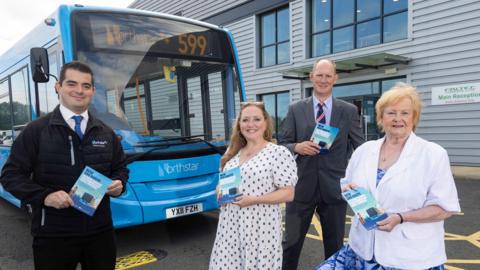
{"x":184,"y":210}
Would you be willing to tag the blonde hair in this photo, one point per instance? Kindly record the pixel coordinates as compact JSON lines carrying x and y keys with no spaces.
{"x":237,"y":141}
{"x":397,"y":93}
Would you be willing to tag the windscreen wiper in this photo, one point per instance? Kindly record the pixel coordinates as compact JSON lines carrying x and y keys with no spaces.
{"x":181,"y":138}
{"x":163,"y":144}
{"x":196,"y":138}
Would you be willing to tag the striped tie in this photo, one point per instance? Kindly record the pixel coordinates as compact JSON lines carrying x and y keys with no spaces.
{"x":320,"y":114}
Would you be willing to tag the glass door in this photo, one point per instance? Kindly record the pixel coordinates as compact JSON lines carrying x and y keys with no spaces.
{"x":202,"y":100}
{"x":195,"y":106}
{"x":366,"y":110}
{"x":369,"y":118}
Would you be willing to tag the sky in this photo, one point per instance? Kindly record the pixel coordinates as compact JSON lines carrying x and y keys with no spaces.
{"x":18,"y":17}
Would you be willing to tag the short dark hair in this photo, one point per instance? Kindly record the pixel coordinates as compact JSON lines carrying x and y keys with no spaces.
{"x":75,"y":65}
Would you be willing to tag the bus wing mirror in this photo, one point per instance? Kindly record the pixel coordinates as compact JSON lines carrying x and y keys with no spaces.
{"x":39,"y":65}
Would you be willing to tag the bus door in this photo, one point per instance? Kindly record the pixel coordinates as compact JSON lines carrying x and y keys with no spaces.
{"x":152,"y":105}
{"x":165,"y":114}
{"x":202,"y":102}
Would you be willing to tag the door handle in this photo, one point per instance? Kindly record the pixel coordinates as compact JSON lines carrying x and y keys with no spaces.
{"x":365,"y":126}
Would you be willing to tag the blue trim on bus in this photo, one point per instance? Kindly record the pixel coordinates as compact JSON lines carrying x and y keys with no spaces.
{"x":128,"y":213}
{"x":134,"y":143}
{"x":157,"y":210}
{"x":4,"y":153}
{"x":155,"y":186}
{"x":65,"y":24}
{"x":126,"y":209}
{"x":9,"y":197}
{"x":173,"y":169}
{"x":237,"y":62}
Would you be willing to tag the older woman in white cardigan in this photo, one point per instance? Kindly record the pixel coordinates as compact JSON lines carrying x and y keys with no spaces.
{"x":411,"y":180}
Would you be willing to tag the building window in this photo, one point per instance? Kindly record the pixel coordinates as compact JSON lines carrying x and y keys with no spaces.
{"x":342,"y":25}
{"x":276,"y":105}
{"x":358,"y":89}
{"x":275,"y":37}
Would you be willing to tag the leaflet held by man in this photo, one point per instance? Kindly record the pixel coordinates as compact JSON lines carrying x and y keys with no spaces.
{"x":324,"y":135}
{"x":88,"y":191}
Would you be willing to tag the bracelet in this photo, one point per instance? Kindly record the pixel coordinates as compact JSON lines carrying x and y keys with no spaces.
{"x":401,"y":217}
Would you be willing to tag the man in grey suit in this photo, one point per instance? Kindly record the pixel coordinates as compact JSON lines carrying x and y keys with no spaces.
{"x":319,"y":170}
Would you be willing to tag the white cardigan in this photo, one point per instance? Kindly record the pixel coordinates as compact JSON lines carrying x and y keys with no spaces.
{"x":420,"y":177}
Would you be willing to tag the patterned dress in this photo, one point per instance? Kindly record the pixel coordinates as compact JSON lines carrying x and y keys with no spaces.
{"x":347,"y":259}
{"x":251,"y":237}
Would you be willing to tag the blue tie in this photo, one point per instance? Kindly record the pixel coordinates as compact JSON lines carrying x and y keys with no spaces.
{"x":78,"y":130}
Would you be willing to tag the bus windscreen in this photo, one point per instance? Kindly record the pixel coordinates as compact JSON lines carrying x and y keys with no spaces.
{"x":157,"y":77}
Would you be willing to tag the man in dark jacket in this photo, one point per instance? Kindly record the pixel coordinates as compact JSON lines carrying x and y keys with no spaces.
{"x":319,"y":171}
{"x":45,"y":162}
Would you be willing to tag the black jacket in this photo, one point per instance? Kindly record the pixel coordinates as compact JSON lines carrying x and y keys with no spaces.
{"x":319,"y":176}
{"x":42,"y":161}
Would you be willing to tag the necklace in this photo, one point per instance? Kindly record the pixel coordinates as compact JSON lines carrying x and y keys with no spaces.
{"x":392,"y":156}
{"x":384,"y":156}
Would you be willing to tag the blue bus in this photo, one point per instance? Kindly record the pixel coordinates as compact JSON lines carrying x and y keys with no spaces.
{"x":168,"y":86}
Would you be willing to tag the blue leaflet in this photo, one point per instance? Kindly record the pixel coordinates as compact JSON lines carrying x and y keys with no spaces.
{"x":229,"y":184}
{"x":365,"y":207}
{"x":88,"y":191}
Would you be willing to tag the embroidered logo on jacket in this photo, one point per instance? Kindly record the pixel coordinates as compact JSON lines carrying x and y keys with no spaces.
{"x":96,"y":143}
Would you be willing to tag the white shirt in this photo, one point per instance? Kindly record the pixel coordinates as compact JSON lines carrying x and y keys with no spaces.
{"x":327,"y":108}
{"x":420,"y":177}
{"x":67,"y":115}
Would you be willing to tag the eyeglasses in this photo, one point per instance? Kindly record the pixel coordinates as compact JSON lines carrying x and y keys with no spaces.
{"x":248,"y":103}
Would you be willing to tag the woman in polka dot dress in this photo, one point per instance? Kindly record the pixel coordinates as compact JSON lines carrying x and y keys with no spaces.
{"x":249,"y":233}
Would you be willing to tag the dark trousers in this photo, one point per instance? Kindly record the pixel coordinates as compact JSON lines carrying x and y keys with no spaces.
{"x":94,"y":252}
{"x":298,"y":217}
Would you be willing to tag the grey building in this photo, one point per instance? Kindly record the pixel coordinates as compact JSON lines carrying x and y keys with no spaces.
{"x":434,"y":45}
